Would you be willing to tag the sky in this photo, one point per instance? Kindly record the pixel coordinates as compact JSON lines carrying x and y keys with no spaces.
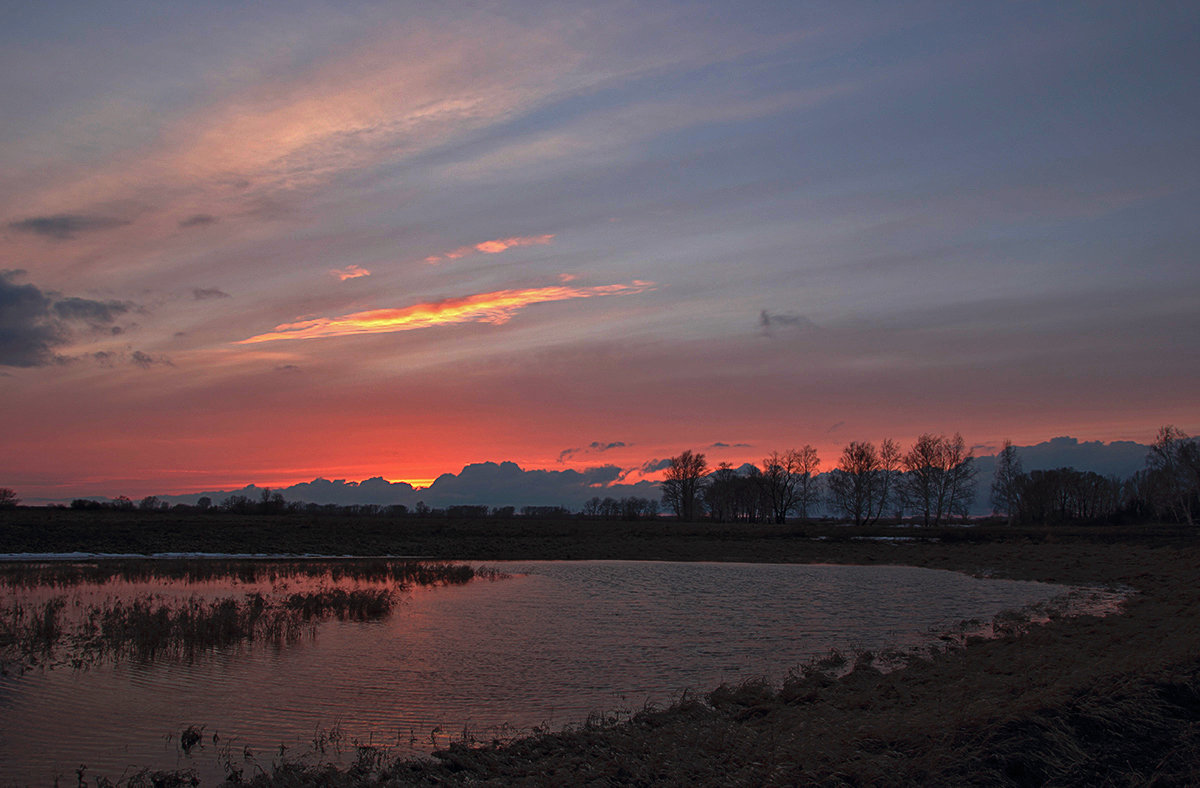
{"x":273,"y":242}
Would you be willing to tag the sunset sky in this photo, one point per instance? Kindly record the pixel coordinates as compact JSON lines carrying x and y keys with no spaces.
{"x":270,"y":242}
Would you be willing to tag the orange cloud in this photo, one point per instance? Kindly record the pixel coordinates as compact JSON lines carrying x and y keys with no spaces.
{"x":349,"y":272}
{"x":495,"y":308}
{"x":495,"y":246}
{"x":501,"y":244}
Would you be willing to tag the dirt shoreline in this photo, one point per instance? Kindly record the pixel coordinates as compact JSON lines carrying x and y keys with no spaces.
{"x":1076,"y":701}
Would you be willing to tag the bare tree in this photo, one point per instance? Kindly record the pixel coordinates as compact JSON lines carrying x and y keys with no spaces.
{"x":8,"y":498}
{"x":1006,"y":482}
{"x":852,"y":484}
{"x":886,"y":477}
{"x":683,"y":484}
{"x":1174,"y":465}
{"x":961,"y":473}
{"x":808,"y":486}
{"x":939,"y":477}
{"x":781,"y":478}
{"x":720,"y":496}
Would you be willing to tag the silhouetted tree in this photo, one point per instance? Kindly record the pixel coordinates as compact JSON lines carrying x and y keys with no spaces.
{"x":204,"y":503}
{"x":1174,"y":466}
{"x":8,"y":498}
{"x":720,"y":493}
{"x":782,"y":475}
{"x":886,"y":476}
{"x":808,"y":485}
{"x":939,"y":479}
{"x":238,"y":504}
{"x":1005,"y":482}
{"x":1066,"y":495}
{"x":852,"y":484}
{"x":684,"y":483}
{"x":545,"y":512}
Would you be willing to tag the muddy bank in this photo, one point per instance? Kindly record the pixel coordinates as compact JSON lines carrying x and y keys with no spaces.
{"x":1087,"y":701}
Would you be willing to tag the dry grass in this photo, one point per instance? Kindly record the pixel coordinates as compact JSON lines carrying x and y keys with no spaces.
{"x":152,"y":626}
{"x":69,"y":574}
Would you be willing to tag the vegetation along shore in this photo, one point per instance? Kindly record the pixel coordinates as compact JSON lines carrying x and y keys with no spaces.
{"x":1109,"y":700}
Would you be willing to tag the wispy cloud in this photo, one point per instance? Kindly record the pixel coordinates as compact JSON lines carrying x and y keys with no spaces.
{"x":198,"y":220}
{"x":595,"y":447}
{"x":65,"y":226}
{"x":495,"y":246}
{"x":145,"y":360}
{"x":495,"y":308}
{"x":204,"y":293}
{"x":767,"y":322}
{"x":349,"y":272}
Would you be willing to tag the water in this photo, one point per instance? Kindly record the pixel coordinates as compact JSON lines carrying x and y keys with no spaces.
{"x":546,"y":647}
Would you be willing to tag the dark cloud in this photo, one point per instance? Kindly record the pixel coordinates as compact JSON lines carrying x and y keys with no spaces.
{"x":94,"y":313}
{"x":720,"y":445}
{"x":652,"y":466}
{"x":28,"y":331}
{"x":767,"y":322}
{"x":480,"y":484}
{"x":145,"y":360}
{"x":595,"y":447}
{"x":203,"y":293}
{"x":287,"y":368}
{"x":835,"y":427}
{"x":1119,"y":458}
{"x":198,"y":220}
{"x":65,"y":226}
{"x":34,"y":322}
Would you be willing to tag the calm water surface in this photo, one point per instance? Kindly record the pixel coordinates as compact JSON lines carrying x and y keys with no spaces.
{"x":548,"y":646}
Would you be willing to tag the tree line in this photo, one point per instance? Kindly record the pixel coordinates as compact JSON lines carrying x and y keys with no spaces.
{"x":274,"y":503}
{"x":1166,"y":490}
{"x":934,"y":479}
{"x":934,"y":482}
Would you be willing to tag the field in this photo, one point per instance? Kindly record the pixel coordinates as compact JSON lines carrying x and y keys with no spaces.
{"x":1072,"y":701}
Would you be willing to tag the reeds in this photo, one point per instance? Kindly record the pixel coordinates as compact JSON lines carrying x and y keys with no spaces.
{"x":149,"y":626}
{"x":243,"y":570}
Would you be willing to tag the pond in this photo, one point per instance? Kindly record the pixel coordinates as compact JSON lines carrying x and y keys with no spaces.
{"x":534,"y":644}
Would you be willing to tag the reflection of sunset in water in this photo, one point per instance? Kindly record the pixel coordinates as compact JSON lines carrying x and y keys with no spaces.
{"x":548,"y":645}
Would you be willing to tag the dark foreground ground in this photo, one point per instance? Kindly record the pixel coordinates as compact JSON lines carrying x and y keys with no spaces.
{"x":1076,"y":701}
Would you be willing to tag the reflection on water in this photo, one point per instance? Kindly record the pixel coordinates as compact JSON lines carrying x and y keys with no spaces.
{"x":152,"y":610}
{"x":548,"y":646}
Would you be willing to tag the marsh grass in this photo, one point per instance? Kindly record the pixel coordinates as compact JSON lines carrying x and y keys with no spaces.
{"x":1078,"y":701}
{"x":53,"y":631}
{"x":69,"y":574}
